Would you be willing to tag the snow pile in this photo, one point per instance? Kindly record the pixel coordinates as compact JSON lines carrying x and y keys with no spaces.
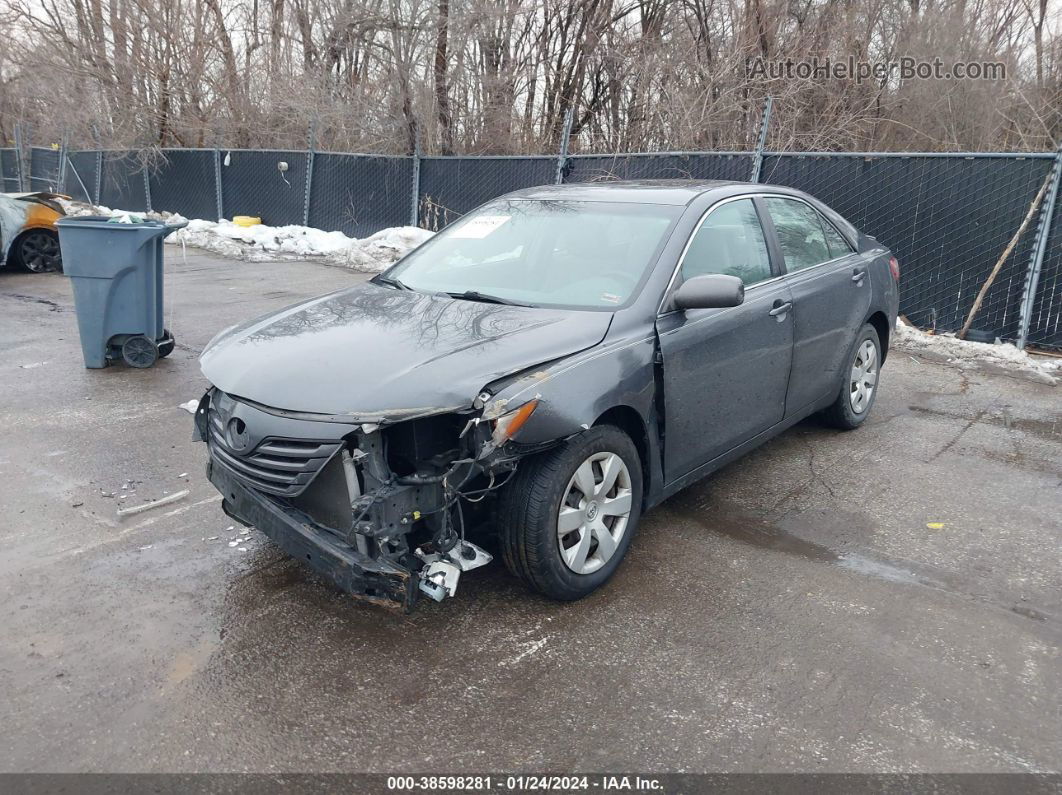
{"x":265,"y":243}
{"x":258,"y":243}
{"x":967,"y":354}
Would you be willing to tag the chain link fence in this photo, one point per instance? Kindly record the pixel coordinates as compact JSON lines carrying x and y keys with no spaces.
{"x":1045,"y":327}
{"x":679,"y":165}
{"x":270,"y":185}
{"x":10,"y":178}
{"x":451,"y":186}
{"x":184,"y":181}
{"x":948,"y":217}
{"x":44,"y":169}
{"x":947,"y":220}
{"x":360,"y":194}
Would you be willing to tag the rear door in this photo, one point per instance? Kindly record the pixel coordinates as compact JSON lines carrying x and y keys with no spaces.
{"x":831,"y":291}
{"x":725,"y":371}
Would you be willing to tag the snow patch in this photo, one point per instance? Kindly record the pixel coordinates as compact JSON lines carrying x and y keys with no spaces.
{"x":261,"y":243}
{"x":964,"y":353}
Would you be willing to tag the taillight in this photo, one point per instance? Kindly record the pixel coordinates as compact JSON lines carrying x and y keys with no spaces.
{"x":894,"y":269}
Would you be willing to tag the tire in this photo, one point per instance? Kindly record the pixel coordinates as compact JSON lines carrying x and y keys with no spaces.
{"x":38,"y":251}
{"x":527,"y":514}
{"x":166,"y":344}
{"x":847,"y":412}
{"x":139,"y":352}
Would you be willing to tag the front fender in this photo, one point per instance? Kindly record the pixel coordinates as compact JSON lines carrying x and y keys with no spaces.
{"x":575,"y":391}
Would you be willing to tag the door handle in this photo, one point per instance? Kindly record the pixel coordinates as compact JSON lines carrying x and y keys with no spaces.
{"x":780,"y":309}
{"x":857,"y":275}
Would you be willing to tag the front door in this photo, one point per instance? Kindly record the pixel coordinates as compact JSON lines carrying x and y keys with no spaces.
{"x":725,"y":371}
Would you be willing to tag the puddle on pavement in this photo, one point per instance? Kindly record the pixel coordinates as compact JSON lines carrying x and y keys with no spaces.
{"x":758,"y":533}
{"x":31,"y":299}
{"x":765,"y":536}
{"x":1049,"y":429}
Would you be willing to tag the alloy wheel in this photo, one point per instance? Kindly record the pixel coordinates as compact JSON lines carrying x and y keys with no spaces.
{"x":864,"y":376}
{"x":39,"y":252}
{"x":594,"y":512}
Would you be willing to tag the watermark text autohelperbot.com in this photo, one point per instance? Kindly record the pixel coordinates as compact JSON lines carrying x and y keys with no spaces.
{"x":904,"y":68}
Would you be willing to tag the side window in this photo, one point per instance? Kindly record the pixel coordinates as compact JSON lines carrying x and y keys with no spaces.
{"x":729,"y":241}
{"x":839,"y":246}
{"x":799,"y":233}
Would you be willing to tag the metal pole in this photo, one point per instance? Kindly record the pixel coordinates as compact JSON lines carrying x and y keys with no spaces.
{"x":761,"y":142}
{"x":98,"y":186}
{"x":147,"y":188}
{"x":99,"y":176}
{"x":1043,"y":232}
{"x":19,"y":170}
{"x":311,"y":145}
{"x":217,"y":183}
{"x":414,"y":208}
{"x":63,"y":144}
{"x":88,"y":196}
{"x":562,"y":154}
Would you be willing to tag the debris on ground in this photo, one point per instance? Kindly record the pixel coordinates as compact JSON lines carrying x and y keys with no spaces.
{"x":179,"y":495}
{"x":965,"y":353}
{"x":191,"y":406}
{"x":262,"y":243}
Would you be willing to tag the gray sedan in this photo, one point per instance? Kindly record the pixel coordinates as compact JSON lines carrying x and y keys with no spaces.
{"x":539,"y":374}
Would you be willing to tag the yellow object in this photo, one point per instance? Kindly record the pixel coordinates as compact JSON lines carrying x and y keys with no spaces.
{"x":246,"y":220}
{"x":935,"y":525}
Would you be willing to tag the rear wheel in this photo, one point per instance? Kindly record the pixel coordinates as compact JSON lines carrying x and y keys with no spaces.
{"x":38,"y":251}
{"x":860,"y":387}
{"x":166,"y":344}
{"x":139,"y":352}
{"x":568,"y":516}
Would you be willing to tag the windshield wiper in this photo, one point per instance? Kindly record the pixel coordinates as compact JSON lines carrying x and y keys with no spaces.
{"x":486,"y":298}
{"x":392,"y":282}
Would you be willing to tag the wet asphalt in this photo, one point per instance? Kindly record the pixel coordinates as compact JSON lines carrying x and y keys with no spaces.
{"x":883,"y":600}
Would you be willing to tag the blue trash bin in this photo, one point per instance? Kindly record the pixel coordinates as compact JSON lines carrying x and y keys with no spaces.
{"x":117,"y":275}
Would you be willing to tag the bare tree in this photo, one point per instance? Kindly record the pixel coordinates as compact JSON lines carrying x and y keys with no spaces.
{"x":500,"y":75}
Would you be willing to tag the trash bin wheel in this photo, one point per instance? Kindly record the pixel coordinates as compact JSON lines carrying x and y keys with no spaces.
{"x":166,"y":344}
{"x":139,"y":352}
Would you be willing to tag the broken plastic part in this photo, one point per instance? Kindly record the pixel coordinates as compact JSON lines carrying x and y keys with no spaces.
{"x":467,"y":556}
{"x":508,"y":424}
{"x":464,"y":554}
{"x":439,"y":580}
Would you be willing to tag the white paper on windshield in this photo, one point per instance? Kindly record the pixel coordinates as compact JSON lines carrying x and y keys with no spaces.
{"x":480,"y":226}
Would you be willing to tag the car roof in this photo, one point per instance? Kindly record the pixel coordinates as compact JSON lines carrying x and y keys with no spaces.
{"x":644,"y":191}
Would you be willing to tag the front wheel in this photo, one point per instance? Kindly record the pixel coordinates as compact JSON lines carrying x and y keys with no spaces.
{"x":38,"y":251}
{"x":860,"y":386}
{"x":568,"y":516}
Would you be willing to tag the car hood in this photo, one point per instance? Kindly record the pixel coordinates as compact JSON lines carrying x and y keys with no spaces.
{"x":375,"y":354}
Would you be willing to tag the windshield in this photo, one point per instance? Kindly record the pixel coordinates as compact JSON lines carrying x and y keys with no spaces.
{"x":586,"y":255}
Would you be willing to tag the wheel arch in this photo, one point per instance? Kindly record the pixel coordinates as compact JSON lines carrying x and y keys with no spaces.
{"x":628,"y":420}
{"x":881,"y":325}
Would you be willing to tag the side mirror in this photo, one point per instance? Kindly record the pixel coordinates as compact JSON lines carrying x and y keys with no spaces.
{"x":711,"y":291}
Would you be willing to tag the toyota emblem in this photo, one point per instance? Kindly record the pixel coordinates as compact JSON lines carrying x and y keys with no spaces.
{"x":236,"y":434}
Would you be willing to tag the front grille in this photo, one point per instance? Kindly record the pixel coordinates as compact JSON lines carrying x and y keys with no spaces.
{"x":277,"y":466}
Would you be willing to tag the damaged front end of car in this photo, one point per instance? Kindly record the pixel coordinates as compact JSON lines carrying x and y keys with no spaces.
{"x":378,"y":505}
